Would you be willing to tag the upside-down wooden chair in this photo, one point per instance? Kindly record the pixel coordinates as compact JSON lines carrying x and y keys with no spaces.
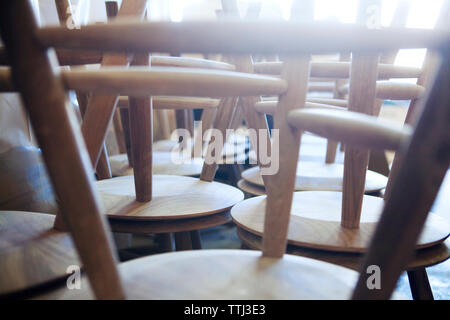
{"x":323,"y":228}
{"x":312,"y":146}
{"x":27,"y":193}
{"x":234,"y":151}
{"x":65,"y":15}
{"x":128,"y":212}
{"x":328,"y":176}
{"x":322,"y":173}
{"x":251,"y":274}
{"x":304,"y":214}
{"x":378,"y":160}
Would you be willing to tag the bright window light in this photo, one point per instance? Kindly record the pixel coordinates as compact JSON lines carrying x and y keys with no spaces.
{"x":332,"y":10}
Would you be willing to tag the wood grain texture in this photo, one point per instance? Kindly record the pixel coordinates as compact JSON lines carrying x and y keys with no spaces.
{"x":101,"y":108}
{"x":240,"y":37}
{"x":270,"y":107}
{"x":422,"y":258}
{"x":388,"y":90}
{"x":420,"y":177}
{"x":251,"y":189}
{"x":315,"y":222}
{"x":62,"y":145}
{"x":319,"y":176}
{"x":174,"y":197}
{"x":172,"y":225}
{"x":32,"y":253}
{"x":141,"y":137}
{"x":227,"y":274}
{"x":171,"y":81}
{"x":66,"y":18}
{"x":353,"y":128}
{"x":161,"y":102}
{"x":186,"y":62}
{"x":330,"y":101}
{"x":341,"y":69}
{"x":277,"y":212}
{"x":361,"y":99}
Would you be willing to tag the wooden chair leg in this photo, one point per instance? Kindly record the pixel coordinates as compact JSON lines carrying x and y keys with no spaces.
{"x":103,"y":168}
{"x":362,"y":80}
{"x":183,"y":241}
{"x":141,"y":134}
{"x":125,"y":118}
{"x":63,"y":149}
{"x":223,"y":119}
{"x":419,"y":284}
{"x":196,"y":240}
{"x":118,"y":131}
{"x":331,"y":151}
{"x":378,"y":162}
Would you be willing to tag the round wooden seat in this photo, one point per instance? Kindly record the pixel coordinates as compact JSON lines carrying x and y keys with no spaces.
{"x":250,"y":188}
{"x":226,"y":274}
{"x":163,"y":163}
{"x":423,"y":257}
{"x":32,"y":253}
{"x":174,"y":197}
{"x":316,"y":222}
{"x":320,"y":176}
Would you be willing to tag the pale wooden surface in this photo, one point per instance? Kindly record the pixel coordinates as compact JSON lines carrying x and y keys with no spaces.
{"x":315,"y":222}
{"x":423,"y":257}
{"x":227,"y":274}
{"x":176,"y":103}
{"x":388,"y":90}
{"x":340,"y":69}
{"x":174,"y":197}
{"x":361,"y":99}
{"x":101,"y":108}
{"x":141,"y":137}
{"x":351,"y":127}
{"x":188,"y":62}
{"x":171,"y":81}
{"x":251,"y":188}
{"x":172,"y":225}
{"x":269,"y":107}
{"x":32,"y":253}
{"x":62,"y":145}
{"x":241,"y":37}
{"x":320,"y":176}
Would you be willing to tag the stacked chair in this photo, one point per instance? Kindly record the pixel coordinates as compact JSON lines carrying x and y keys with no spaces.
{"x":322,"y":163}
{"x":150,"y":203}
{"x":166,"y":149}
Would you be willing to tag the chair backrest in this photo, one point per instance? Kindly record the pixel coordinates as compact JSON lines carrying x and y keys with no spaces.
{"x":58,"y":133}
